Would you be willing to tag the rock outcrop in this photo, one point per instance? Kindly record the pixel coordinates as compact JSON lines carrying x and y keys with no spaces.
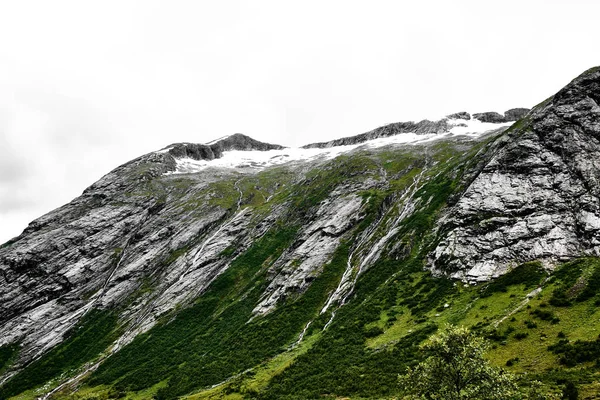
{"x":538,"y":197}
{"x":460,"y":115}
{"x":214,"y":150}
{"x":514,"y":114}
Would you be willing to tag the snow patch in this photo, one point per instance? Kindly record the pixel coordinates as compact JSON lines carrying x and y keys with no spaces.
{"x":473,"y":127}
{"x":258,"y":160}
{"x":165,"y":150}
{"x":218,"y":139}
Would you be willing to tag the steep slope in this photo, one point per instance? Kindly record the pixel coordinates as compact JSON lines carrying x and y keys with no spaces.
{"x":119,"y":237}
{"x":244,"y":269}
{"x":537,"y":197}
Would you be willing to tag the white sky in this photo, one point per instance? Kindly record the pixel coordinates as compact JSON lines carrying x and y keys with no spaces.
{"x":88,"y":85}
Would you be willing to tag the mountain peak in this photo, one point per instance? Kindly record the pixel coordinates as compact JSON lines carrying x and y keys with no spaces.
{"x":241,"y":142}
{"x":215,"y":149}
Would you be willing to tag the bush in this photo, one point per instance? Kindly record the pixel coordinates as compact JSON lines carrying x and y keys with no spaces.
{"x":521,"y":335}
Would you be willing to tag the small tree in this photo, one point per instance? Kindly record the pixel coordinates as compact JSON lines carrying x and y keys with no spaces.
{"x":455,"y":370}
{"x":570,"y":391}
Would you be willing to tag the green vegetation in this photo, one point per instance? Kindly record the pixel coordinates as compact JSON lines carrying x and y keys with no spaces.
{"x":198,"y":342}
{"x":579,"y":281}
{"x":183,"y":346}
{"x":529,"y":274}
{"x":7,"y":355}
{"x":547,"y":335}
{"x":578,"y":352}
{"x":456,"y":369}
{"x":85,"y":341}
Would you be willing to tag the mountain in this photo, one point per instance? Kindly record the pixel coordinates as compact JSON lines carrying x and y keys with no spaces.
{"x":241,"y":269}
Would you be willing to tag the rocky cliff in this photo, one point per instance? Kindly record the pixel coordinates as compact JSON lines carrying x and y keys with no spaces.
{"x":537,"y":196}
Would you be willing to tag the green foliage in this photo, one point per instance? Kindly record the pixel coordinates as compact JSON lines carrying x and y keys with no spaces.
{"x":213,"y":340}
{"x":215,"y":324}
{"x":86,"y":340}
{"x":592,"y":286}
{"x":579,"y":280}
{"x":521,"y":335}
{"x":428,"y":293}
{"x":456,"y":369}
{"x":7,"y":355}
{"x":578,"y":352}
{"x":529,"y":274}
{"x":570,"y":391}
{"x":537,"y":391}
{"x":545,"y":315}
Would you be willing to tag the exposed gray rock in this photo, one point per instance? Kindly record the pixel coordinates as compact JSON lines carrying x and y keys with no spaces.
{"x":489,"y":116}
{"x":422,"y":127}
{"x":538,"y":196}
{"x":237,"y":141}
{"x":296,"y":268}
{"x":459,"y":115}
{"x":515,"y":114}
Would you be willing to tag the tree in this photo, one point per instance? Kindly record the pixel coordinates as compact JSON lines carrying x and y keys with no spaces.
{"x":455,"y":369}
{"x":570,"y":391}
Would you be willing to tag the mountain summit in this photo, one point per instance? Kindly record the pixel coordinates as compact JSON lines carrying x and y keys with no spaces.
{"x":215,"y":149}
{"x":241,"y":269}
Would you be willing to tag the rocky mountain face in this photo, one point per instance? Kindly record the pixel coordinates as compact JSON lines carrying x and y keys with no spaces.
{"x":537,"y":196}
{"x":173,"y":279}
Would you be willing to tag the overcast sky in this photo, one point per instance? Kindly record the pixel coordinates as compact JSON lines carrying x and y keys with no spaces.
{"x":88,"y":85}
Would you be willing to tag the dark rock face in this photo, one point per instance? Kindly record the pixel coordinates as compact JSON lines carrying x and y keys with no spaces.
{"x":243,"y":142}
{"x":489,"y":116}
{"x":423,"y":127}
{"x":211,"y":151}
{"x":195,"y":151}
{"x":515,"y":114}
{"x":459,"y":115}
{"x":538,"y":197}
